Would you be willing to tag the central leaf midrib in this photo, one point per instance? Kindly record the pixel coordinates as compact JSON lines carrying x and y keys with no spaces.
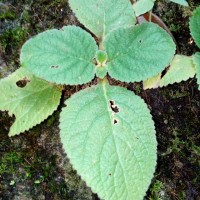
{"x":110,"y":117}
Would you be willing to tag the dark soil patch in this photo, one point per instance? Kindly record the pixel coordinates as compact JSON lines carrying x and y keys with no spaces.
{"x":33,"y":166}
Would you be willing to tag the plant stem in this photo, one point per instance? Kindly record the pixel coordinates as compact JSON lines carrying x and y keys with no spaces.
{"x":102,"y":81}
{"x":150,"y":15}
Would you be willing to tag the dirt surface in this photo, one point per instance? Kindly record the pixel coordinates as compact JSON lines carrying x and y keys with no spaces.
{"x":33,"y":165}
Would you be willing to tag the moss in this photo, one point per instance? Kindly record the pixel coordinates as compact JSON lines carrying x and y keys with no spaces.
{"x":156,"y":190}
{"x":13,"y":38}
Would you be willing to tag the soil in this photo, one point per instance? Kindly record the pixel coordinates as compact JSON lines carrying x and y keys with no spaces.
{"x":33,"y":165}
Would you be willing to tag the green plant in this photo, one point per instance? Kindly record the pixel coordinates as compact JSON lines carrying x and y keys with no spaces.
{"x":142,"y":6}
{"x":181,"y":67}
{"x":106,"y":131}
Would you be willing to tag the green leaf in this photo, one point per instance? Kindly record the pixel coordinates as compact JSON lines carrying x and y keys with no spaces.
{"x":181,"y":69}
{"x":195,"y":26}
{"x":152,"y":82}
{"x":101,"y":71}
{"x":62,"y":56}
{"x":101,"y":57}
{"x":181,"y":2}
{"x":30,"y":99}
{"x":138,"y":53}
{"x":103,"y":16}
{"x":109,"y":136}
{"x":196,"y":59}
{"x":143,"y":6}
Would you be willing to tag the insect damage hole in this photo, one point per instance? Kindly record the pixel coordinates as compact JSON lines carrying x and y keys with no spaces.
{"x":115,"y":121}
{"x":114,"y":107}
{"x":54,"y":66}
{"x":22,"y":83}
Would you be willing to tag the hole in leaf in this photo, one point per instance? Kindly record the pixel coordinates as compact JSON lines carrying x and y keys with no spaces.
{"x":55,"y":66}
{"x":114,"y":107}
{"x":115,"y":121}
{"x":23,"y":82}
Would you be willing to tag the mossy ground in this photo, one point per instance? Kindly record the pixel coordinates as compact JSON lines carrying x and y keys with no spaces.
{"x":33,"y":166}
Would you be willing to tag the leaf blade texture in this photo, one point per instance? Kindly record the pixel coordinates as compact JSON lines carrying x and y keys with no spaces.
{"x":181,"y":2}
{"x":138,"y":53}
{"x":103,"y":16}
{"x":31,"y":104}
{"x":142,"y":6}
{"x":109,"y":136}
{"x":62,"y":56}
{"x":195,"y":26}
{"x":152,"y":82}
{"x":181,"y":69}
{"x":196,"y":58}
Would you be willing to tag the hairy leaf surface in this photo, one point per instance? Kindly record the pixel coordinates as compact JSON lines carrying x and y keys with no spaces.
{"x":108,"y":134}
{"x":62,"y":56}
{"x":196,"y":58}
{"x":30,"y":99}
{"x":181,"y":2}
{"x":143,"y":6}
{"x":181,"y":69}
{"x":138,"y":53}
{"x":195,"y":26}
{"x":103,"y":16}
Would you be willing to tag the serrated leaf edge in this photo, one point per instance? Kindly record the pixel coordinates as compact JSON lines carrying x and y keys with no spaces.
{"x":72,"y":164}
{"x":12,"y":114}
{"x":190,"y":21}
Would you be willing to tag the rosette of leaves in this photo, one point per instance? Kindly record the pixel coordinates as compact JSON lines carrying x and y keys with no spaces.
{"x":107,"y":131}
{"x":142,"y":6}
{"x":181,"y":67}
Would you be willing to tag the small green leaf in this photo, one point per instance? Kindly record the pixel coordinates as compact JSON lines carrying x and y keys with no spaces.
{"x":152,"y":82}
{"x":101,"y":57}
{"x":181,"y":2}
{"x":103,"y":16}
{"x":101,"y":68}
{"x":138,"y":53}
{"x":143,"y":6}
{"x":101,"y":71}
{"x":30,"y":99}
{"x":62,"y":56}
{"x":181,"y":69}
{"x":108,"y":134}
{"x":195,"y":26}
{"x":196,"y":59}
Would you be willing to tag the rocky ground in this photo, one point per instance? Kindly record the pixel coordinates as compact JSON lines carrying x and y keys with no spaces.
{"x":33,"y":165}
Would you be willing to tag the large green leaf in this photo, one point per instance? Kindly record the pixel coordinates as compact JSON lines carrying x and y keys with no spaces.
{"x":30,"y":99}
{"x":62,"y":56}
{"x":181,"y":2}
{"x":138,"y":53}
{"x":195,"y":26}
{"x":143,"y":6}
{"x":103,"y":16}
{"x":181,"y":69}
{"x":108,"y":134}
{"x":196,"y":59}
